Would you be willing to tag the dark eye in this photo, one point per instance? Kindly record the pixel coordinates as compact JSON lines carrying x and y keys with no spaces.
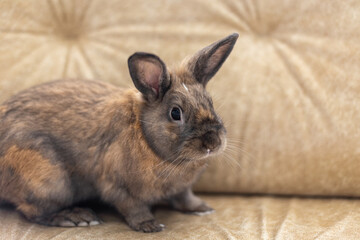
{"x":175,"y":114}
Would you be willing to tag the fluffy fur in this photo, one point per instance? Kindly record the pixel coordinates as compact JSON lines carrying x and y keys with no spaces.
{"x":68,"y":141}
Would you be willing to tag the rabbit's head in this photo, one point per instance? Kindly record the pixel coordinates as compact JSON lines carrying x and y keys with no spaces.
{"x":178,"y":119}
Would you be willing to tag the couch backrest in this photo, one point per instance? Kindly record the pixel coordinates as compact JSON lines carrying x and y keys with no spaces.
{"x":289,"y":93}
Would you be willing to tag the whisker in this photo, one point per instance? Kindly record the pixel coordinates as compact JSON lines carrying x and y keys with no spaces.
{"x":222,"y":104}
{"x":171,"y":164}
{"x":235,"y":141}
{"x":232,"y":161}
{"x":158,"y":165}
{"x":186,"y":166}
{"x":173,"y":169}
{"x":242,"y":152}
{"x":166,"y":169}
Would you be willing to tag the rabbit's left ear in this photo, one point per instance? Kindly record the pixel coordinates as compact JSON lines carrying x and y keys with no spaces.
{"x":205,"y":63}
{"x":149,"y":75}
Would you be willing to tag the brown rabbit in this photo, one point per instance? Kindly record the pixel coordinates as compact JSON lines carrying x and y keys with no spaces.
{"x":68,"y":141}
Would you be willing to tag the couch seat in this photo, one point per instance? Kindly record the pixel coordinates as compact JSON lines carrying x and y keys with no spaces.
{"x":236,"y":217}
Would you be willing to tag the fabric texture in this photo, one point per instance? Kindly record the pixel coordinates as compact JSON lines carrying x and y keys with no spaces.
{"x":288,"y":93}
{"x":235,"y":218}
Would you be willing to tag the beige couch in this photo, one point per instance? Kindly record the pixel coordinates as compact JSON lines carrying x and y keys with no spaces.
{"x":289,"y":95}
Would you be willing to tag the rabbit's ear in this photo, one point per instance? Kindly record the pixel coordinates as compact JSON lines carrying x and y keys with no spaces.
{"x":205,"y":63}
{"x":149,"y":75}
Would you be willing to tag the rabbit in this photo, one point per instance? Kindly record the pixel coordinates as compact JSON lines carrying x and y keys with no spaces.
{"x":67,"y":141}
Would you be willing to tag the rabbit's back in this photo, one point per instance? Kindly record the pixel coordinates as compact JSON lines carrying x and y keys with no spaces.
{"x":67,"y":109}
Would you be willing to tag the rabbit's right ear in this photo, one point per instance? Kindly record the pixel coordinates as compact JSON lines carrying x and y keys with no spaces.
{"x":149,"y":75}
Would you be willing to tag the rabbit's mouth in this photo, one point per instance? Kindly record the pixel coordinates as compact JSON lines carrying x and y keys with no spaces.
{"x":209,"y":152}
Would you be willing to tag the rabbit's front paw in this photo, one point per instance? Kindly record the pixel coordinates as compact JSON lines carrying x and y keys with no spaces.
{"x":148,"y":226}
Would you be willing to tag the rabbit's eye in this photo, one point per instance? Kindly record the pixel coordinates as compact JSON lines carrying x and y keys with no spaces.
{"x":175,"y":114}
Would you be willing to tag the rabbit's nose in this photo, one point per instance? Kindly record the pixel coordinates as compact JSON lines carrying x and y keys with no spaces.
{"x":211,"y":141}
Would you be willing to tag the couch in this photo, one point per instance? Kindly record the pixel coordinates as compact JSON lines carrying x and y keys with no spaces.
{"x":288,"y":94}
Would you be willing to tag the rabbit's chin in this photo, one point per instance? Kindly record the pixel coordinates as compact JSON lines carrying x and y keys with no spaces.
{"x":210,"y":153}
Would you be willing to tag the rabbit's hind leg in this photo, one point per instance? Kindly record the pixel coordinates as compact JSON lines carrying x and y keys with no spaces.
{"x":38,"y":187}
{"x":71,"y":217}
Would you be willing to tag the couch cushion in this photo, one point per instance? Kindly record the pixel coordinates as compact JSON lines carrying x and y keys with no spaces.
{"x":235,"y":218}
{"x":289,"y":93}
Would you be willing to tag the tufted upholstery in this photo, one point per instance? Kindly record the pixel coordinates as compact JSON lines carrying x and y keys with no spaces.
{"x":289,"y":93}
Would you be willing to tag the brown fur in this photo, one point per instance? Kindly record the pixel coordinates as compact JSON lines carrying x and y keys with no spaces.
{"x":2,"y":109}
{"x":71,"y":140}
{"x":34,"y":170}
